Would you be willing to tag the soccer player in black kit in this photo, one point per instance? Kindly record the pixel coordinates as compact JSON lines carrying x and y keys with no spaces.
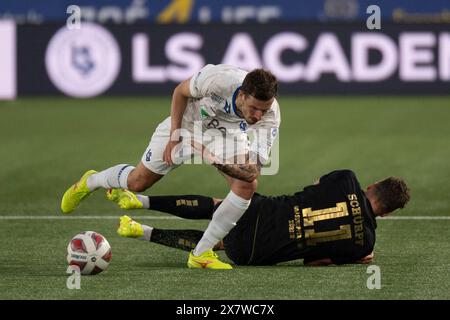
{"x":330,"y":222}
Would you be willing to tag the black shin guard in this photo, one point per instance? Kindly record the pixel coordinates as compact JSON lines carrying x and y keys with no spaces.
{"x":180,"y":239}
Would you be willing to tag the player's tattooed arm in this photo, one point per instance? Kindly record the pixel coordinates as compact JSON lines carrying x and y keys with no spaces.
{"x":247,"y":171}
{"x":238,"y":169}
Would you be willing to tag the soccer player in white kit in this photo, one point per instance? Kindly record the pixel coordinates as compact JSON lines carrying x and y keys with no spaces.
{"x":218,"y":99}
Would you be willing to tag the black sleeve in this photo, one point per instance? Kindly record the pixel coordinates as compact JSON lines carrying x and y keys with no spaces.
{"x":352,"y":257}
{"x":309,"y":259}
{"x":338,"y":260}
{"x":341,"y":256}
{"x":346,"y":259}
{"x":337,"y":175}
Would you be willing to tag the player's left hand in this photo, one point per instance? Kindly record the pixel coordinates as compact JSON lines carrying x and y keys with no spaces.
{"x":367,"y":259}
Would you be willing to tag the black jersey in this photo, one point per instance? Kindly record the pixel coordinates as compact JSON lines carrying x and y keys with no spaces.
{"x":332,"y":219}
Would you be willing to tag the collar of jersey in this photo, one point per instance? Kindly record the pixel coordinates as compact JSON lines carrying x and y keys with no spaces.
{"x":233,"y":101}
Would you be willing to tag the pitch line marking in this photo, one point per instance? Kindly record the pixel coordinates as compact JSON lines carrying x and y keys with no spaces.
{"x":415,"y":218}
{"x":55,"y":217}
{"x":84,"y":218}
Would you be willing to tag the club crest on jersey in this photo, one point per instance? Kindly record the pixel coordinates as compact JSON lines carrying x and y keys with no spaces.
{"x":243,"y":125}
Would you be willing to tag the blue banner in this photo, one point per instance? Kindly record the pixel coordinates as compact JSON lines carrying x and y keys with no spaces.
{"x":230,"y":11}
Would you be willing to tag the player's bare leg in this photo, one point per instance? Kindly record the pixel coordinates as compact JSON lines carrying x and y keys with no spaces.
{"x":142,"y":178}
{"x":120,"y":176}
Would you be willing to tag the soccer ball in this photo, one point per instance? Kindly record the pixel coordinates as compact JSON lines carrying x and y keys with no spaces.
{"x":90,"y":251}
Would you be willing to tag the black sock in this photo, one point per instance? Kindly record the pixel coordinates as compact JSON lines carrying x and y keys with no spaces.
{"x":186,"y":206}
{"x":180,"y":239}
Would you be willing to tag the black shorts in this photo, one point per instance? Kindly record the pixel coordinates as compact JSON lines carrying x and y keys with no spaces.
{"x":240,"y":241}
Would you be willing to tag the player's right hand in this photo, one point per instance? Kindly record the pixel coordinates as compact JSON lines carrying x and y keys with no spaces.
{"x":206,"y":155}
{"x":167,"y":156}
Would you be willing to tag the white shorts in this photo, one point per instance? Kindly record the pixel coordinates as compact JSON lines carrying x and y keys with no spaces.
{"x":153,"y":155}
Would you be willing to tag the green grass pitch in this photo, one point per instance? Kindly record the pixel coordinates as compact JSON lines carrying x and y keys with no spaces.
{"x":47,"y":143}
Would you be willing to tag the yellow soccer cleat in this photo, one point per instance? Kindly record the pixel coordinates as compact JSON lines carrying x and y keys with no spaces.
{"x":125,"y":199}
{"x":76,"y":193}
{"x":129,"y":228}
{"x":207,"y":260}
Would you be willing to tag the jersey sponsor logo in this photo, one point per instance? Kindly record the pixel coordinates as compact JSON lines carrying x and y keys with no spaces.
{"x":215,"y":124}
{"x":84,"y":62}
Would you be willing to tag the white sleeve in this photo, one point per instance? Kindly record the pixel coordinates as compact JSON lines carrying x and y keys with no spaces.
{"x":265,"y":134}
{"x":263,"y":140}
{"x":203,"y":82}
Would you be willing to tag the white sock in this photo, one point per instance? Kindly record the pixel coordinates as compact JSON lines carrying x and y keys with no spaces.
{"x":144,"y":200}
{"x":114,"y":177}
{"x":147,"y":233}
{"x":224,"y":219}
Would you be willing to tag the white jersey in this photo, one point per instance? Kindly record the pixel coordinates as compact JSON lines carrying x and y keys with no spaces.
{"x":214,"y":89}
{"x":212,"y":108}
